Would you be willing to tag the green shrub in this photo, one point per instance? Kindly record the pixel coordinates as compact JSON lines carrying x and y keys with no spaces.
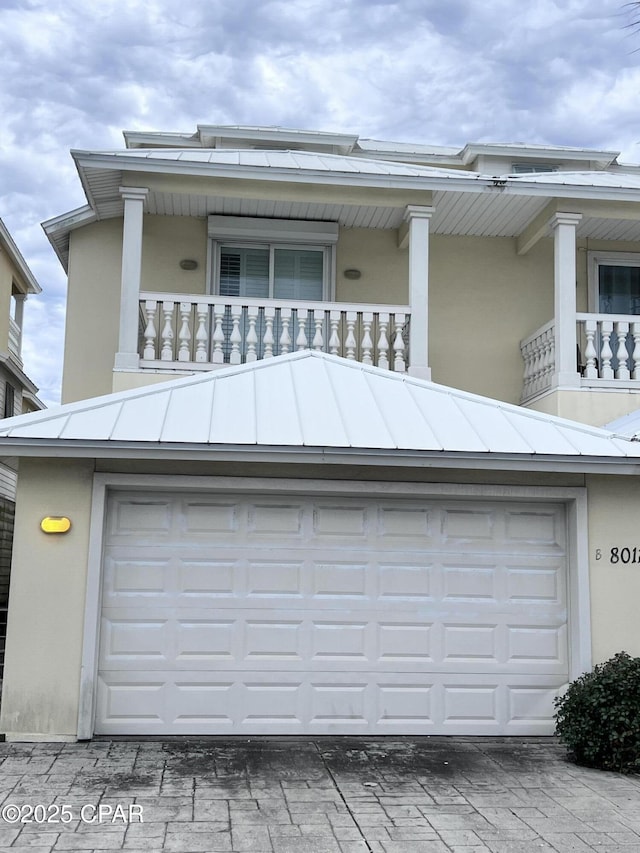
{"x":598,"y":718}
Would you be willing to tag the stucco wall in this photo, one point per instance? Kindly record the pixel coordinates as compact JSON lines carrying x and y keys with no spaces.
{"x":46,"y":601}
{"x":596,"y":408}
{"x":384,"y":267}
{"x":614,"y":507}
{"x":7,"y":272}
{"x":93,"y":310}
{"x":166,"y":241}
{"x":484,"y":298}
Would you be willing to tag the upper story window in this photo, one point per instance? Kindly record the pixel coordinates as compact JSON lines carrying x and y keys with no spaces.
{"x":533,"y":168}
{"x":272,"y":258}
{"x":272,"y":272}
{"x":9,"y":400}
{"x":614,"y":283}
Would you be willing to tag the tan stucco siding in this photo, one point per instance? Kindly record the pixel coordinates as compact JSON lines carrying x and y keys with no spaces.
{"x":46,"y":603}
{"x":93,"y":310}
{"x":484,"y":299}
{"x":614,"y":508}
{"x":7,"y":275}
{"x":167,"y":240}
{"x":588,"y":406}
{"x":383,"y":266}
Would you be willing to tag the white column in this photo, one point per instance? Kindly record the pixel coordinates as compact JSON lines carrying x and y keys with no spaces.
{"x":418,"y":219}
{"x":564,"y":227}
{"x":127,"y":357}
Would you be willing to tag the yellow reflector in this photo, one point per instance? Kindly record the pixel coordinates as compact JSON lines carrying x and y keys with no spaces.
{"x":55,"y":524}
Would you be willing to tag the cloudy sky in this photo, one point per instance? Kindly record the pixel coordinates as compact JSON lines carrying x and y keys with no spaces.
{"x":75,"y":73}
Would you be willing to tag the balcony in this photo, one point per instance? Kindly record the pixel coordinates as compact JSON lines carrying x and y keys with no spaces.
{"x":607,"y":355}
{"x":191,"y":333}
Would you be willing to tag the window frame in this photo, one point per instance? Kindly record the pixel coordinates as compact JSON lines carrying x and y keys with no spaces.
{"x":261,"y":233}
{"x":609,"y":259}
{"x":9,"y":397}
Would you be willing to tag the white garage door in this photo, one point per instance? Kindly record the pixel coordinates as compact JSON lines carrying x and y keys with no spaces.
{"x":304,"y":615}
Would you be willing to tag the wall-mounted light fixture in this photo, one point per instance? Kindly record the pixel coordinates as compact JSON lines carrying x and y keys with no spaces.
{"x":188,"y":264}
{"x":55,"y":524}
{"x":352,"y":274}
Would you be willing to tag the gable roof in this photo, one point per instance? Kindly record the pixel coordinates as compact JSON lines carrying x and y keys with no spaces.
{"x":304,"y":401}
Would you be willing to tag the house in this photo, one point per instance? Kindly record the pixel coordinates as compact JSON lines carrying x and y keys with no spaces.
{"x":330,"y":456}
{"x":18,"y":394}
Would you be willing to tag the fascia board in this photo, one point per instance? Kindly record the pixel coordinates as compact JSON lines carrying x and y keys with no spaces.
{"x":68,"y":221}
{"x":61,"y":226}
{"x":472,"y":150}
{"x":277,"y":134}
{"x":18,"y":261}
{"x":574,"y":191}
{"x":44,"y":448}
{"x":170,"y":140}
{"x":469,"y":183}
{"x":9,"y":364}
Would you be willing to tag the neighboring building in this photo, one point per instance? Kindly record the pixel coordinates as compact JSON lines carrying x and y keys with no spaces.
{"x":17,"y":393}
{"x":300,"y":532}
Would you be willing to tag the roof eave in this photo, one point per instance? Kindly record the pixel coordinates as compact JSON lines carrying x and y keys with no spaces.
{"x":372,"y":457}
{"x":16,"y":258}
{"x":465,"y":182}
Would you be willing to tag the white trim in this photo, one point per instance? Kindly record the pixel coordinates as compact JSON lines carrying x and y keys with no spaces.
{"x":92,"y":607}
{"x":612,"y":259}
{"x":577,"y":538}
{"x":328,"y":265}
{"x":265,"y":230}
{"x":262,"y":232}
{"x":579,"y":595}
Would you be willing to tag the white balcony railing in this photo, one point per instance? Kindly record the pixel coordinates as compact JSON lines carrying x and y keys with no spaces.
{"x":538,"y":353}
{"x":609,"y":345}
{"x":607,"y":353}
{"x":179,"y":332}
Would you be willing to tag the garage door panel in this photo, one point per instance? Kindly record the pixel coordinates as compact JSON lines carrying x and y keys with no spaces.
{"x":277,"y":639}
{"x":301,"y":615}
{"x":325,"y":703}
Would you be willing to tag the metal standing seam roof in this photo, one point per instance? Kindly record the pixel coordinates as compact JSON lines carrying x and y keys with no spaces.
{"x":295,"y":160}
{"x":627,"y":425}
{"x":310,"y":399}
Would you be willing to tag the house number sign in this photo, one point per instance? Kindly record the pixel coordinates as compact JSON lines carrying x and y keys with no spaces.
{"x":620,"y":555}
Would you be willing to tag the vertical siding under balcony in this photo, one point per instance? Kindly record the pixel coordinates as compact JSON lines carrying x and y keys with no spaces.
{"x":15,"y":339}
{"x":204,"y":332}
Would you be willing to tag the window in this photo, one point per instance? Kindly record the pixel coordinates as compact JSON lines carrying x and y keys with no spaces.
{"x":271,"y":273}
{"x":9,"y":400}
{"x":532,"y":168}
{"x":272,"y":258}
{"x":614,"y":288}
{"x":614,"y":283}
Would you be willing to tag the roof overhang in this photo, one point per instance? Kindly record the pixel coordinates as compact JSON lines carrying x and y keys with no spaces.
{"x":27,"y":281}
{"x":199,"y":182}
{"x":316,"y":456}
{"x":551,"y":153}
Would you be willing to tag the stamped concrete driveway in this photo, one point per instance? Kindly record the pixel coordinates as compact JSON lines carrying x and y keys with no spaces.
{"x":339,"y":795}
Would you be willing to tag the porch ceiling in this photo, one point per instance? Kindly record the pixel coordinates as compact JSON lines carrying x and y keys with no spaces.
{"x":455,"y":213}
{"x":465,"y":204}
